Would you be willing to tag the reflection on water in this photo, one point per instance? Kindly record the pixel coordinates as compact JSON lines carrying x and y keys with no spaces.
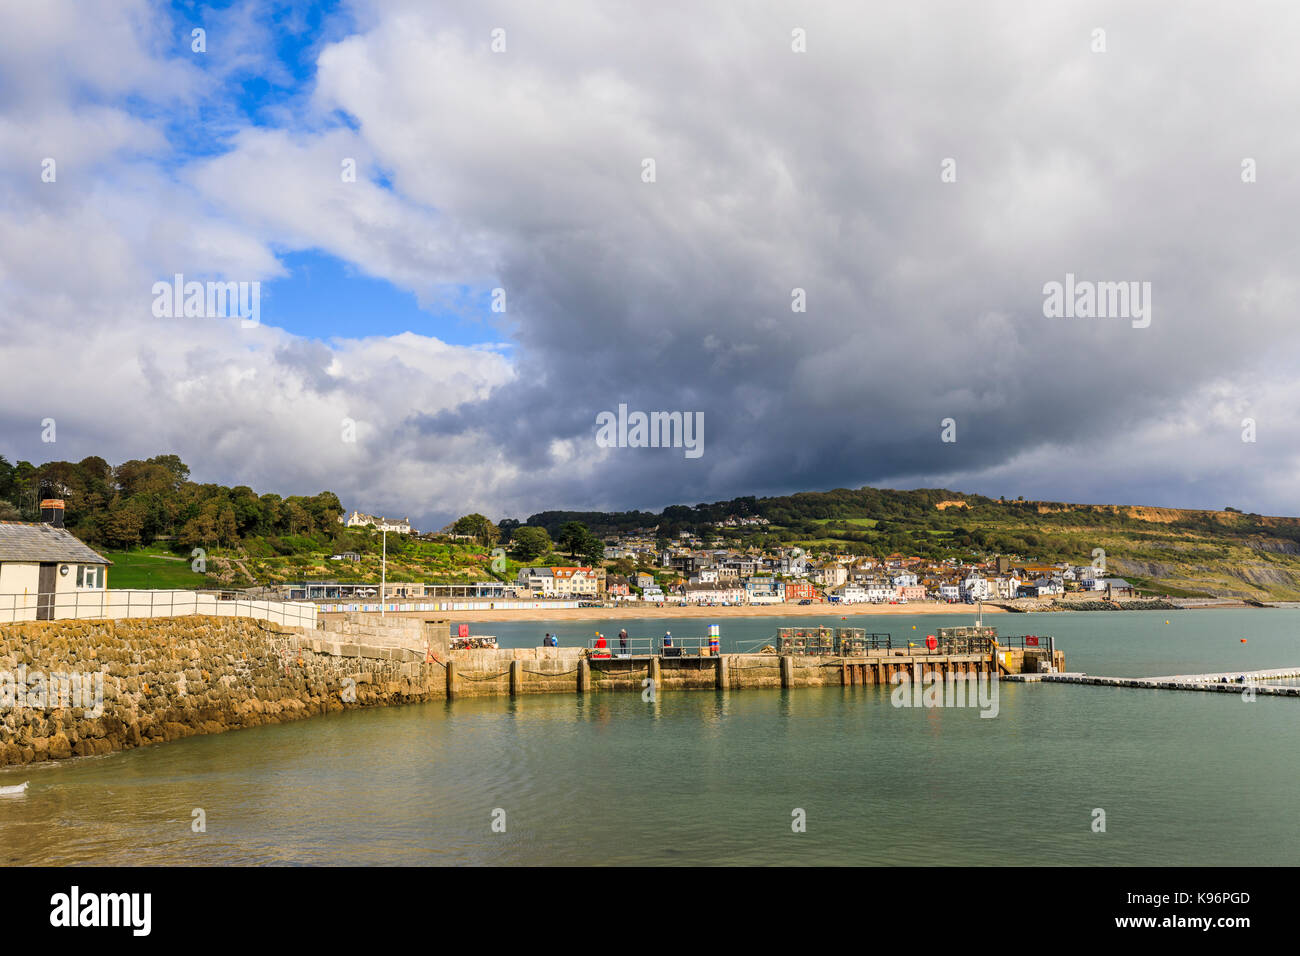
{"x":708,"y":777}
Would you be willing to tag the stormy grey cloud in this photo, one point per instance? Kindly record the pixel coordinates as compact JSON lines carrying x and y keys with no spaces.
{"x":775,"y":170}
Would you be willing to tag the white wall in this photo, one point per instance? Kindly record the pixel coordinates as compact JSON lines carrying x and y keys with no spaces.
{"x":130,"y":603}
{"x":16,"y":578}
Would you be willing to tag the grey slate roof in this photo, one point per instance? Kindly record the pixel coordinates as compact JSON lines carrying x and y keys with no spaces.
{"x":42,"y":542}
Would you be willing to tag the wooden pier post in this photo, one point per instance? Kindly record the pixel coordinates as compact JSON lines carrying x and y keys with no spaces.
{"x":724,"y":672}
{"x":516,"y":678}
{"x":584,"y":675}
{"x":787,"y":672}
{"x":656,"y":671}
{"x":452,"y":686}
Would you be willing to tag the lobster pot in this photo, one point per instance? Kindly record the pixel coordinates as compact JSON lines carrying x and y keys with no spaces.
{"x":714,"y":640}
{"x":789,"y":640}
{"x":966,"y":640}
{"x":824,"y":641}
{"x":850,"y":641}
{"x":806,"y":640}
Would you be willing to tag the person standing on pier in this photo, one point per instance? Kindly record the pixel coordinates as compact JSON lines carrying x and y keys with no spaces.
{"x":668,"y":639}
{"x":622,"y":640}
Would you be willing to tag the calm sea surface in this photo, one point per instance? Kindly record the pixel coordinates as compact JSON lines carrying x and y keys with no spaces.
{"x":714,"y":778}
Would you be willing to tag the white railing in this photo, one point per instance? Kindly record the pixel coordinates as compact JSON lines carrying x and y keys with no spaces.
{"x":130,"y":603}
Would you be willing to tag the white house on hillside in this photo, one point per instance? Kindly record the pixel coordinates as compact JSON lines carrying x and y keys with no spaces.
{"x":359,"y":520}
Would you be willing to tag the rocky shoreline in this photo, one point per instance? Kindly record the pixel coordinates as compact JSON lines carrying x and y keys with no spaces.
{"x":1136,"y":604}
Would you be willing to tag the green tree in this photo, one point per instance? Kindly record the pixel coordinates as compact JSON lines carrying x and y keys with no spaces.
{"x":179,"y":471}
{"x":530,"y":543}
{"x":483,"y":530}
{"x":592,"y":550}
{"x":573,"y":537}
{"x":199,"y":532}
{"x":227,"y":527}
{"x":122,"y":527}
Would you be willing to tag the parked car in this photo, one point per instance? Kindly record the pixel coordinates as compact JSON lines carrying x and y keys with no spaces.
{"x":806,"y":601}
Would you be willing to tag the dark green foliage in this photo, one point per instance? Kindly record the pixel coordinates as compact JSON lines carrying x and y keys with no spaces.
{"x":143,"y":502}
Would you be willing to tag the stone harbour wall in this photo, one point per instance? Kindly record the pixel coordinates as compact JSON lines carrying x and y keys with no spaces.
{"x":168,"y":678}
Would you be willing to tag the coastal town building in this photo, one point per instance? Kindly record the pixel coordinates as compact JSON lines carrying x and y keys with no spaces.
{"x":800,"y":591}
{"x":830,"y":574}
{"x":361,"y":520}
{"x":42,"y":563}
{"x":561,"y":582}
{"x":762,"y":590}
{"x":1117,"y":587}
{"x":713,"y":594}
{"x":1043,"y":587}
{"x":849,"y":594}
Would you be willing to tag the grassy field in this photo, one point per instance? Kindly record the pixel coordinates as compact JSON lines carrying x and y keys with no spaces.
{"x":151,"y":568}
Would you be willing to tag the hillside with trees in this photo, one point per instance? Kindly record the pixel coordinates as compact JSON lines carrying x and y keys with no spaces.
{"x":147,"y":515}
{"x":162,"y":529}
{"x":1227,"y":553}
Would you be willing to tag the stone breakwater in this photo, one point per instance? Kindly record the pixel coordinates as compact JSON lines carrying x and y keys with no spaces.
{"x":168,"y":678}
{"x":1036,"y":606}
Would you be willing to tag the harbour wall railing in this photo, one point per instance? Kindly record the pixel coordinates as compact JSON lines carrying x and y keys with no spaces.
{"x":139,"y":603}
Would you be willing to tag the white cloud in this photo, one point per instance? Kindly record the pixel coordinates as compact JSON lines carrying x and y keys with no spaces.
{"x":775,"y":170}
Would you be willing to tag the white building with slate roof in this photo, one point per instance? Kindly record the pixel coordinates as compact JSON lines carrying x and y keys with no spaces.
{"x":40,"y":562}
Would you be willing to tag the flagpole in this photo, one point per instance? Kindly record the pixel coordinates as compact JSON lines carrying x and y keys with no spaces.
{"x":383,"y":574}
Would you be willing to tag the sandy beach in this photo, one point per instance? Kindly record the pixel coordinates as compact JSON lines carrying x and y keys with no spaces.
{"x":693,"y":611}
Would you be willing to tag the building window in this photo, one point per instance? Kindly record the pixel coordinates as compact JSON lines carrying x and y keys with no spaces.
{"x":87,"y":576}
